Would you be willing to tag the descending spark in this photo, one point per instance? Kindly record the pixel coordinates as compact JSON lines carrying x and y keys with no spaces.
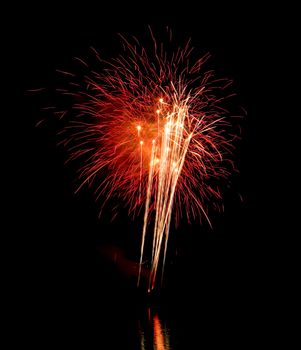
{"x":151,"y":129}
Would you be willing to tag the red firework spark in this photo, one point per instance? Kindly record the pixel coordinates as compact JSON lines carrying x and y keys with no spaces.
{"x":150,"y":128}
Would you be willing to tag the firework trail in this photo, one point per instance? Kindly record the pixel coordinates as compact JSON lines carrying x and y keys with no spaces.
{"x":150,"y":129}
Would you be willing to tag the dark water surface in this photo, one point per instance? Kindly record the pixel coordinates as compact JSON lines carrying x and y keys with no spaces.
{"x":113,"y":315}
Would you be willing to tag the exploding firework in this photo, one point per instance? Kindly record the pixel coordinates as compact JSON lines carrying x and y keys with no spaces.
{"x":150,"y":128}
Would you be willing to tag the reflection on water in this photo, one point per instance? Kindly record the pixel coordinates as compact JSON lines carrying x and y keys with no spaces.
{"x":153,"y":332}
{"x":161,"y":335}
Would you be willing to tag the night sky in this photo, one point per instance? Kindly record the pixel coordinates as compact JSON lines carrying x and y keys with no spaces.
{"x":61,"y":249}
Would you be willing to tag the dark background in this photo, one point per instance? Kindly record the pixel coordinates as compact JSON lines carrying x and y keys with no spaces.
{"x":59,"y":270}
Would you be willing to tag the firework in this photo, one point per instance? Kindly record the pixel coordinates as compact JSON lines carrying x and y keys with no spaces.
{"x":150,"y":128}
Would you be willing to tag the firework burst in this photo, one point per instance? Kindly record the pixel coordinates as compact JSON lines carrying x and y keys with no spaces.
{"x":150,"y":128}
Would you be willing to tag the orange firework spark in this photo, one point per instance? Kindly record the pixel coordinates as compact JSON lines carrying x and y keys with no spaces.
{"x":150,"y":129}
